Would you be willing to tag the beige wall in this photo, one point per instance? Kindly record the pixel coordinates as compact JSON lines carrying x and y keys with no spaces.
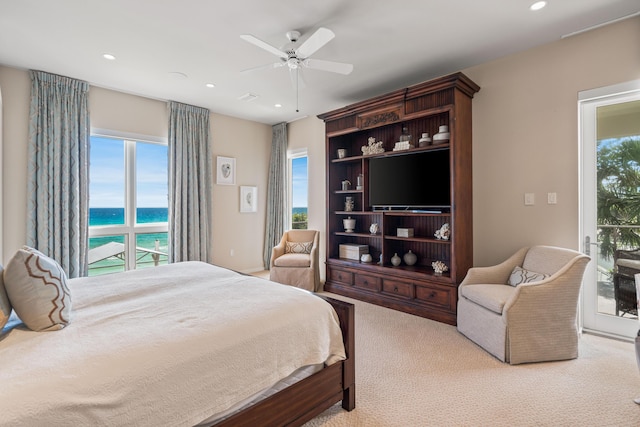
{"x":16,"y":87}
{"x":525,"y":136}
{"x":309,"y":133}
{"x":249,"y":142}
{"x":525,"y":140}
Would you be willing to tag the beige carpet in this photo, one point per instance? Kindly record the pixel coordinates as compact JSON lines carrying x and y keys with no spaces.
{"x":412,"y":371}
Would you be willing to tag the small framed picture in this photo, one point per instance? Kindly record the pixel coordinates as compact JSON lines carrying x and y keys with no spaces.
{"x":248,"y":199}
{"x":226,"y":170}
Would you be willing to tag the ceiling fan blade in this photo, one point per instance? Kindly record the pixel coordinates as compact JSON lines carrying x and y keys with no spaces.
{"x":297,"y":81}
{"x":318,"y":39}
{"x":264,"y":45}
{"x":263,"y":67}
{"x":334,"y":67}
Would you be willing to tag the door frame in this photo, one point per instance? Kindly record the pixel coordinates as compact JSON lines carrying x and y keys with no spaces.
{"x":588,"y":101}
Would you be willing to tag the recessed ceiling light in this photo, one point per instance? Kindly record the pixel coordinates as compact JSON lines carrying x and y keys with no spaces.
{"x":210,"y":85}
{"x":109,"y":56}
{"x":278,"y":105}
{"x":538,"y":5}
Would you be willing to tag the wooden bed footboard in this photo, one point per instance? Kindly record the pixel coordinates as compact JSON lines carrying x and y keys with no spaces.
{"x":306,"y":399}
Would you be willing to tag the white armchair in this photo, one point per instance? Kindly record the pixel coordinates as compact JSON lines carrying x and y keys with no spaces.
{"x":533,"y":321}
{"x":295,"y":260}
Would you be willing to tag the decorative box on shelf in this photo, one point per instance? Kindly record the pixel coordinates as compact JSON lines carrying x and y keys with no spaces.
{"x":353,"y":251}
{"x":405,"y":232}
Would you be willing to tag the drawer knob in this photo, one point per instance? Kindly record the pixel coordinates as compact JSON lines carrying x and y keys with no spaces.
{"x":395,"y":289}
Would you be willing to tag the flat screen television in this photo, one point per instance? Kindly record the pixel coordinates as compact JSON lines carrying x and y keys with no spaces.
{"x":410,"y":181}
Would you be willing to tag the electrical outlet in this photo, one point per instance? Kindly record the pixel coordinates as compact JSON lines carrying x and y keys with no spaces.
{"x":231,"y":252}
{"x":552,"y":198}
{"x":529,"y":199}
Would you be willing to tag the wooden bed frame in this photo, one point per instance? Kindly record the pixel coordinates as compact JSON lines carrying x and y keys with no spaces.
{"x":306,"y":399}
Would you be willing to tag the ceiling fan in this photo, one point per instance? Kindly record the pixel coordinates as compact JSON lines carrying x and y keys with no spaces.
{"x":297,"y":57}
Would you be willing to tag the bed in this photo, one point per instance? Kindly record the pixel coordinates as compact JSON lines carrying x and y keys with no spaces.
{"x":181,"y":345}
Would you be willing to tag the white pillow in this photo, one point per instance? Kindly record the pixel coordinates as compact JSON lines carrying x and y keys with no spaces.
{"x":520,"y":275}
{"x":5,"y":306}
{"x":37,"y":289}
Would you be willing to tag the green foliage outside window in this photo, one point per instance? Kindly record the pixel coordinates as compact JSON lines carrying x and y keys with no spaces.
{"x":618,"y":189}
{"x":299,"y":221}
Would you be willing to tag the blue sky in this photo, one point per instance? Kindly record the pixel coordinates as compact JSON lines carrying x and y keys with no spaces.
{"x":106,"y":180}
{"x":300,"y":182}
{"x":106,"y":174}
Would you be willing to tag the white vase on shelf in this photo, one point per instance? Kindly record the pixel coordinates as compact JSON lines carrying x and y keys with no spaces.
{"x":395,"y":260}
{"x":410,"y":258}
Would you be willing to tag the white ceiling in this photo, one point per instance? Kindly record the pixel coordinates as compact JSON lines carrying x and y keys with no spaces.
{"x":392,"y":44}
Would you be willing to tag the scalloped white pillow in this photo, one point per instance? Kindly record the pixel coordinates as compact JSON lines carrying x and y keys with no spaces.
{"x":519,"y":275}
{"x":37,"y":289}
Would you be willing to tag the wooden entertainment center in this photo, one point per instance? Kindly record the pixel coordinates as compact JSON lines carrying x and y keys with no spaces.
{"x":416,"y":289}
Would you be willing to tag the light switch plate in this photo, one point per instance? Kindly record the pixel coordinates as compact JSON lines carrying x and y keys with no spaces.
{"x":552,"y":198}
{"x":529,"y":199}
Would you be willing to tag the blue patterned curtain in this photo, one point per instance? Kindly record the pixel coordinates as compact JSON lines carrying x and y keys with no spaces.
{"x":57,"y":204}
{"x":189,"y":183}
{"x":276,"y":192}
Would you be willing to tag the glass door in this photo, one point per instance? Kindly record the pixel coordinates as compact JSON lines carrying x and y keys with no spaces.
{"x":610,"y":206}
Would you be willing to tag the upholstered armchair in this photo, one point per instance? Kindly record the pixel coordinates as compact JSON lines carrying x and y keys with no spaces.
{"x":295,"y":260}
{"x":524,"y":309}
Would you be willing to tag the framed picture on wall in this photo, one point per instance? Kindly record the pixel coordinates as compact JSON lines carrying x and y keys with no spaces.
{"x":248,"y":199}
{"x":225,"y":170}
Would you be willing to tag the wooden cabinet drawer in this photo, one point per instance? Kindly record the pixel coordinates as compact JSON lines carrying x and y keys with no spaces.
{"x":436,"y":295}
{"x":341,"y":276}
{"x":397,"y":288}
{"x":367,"y":282}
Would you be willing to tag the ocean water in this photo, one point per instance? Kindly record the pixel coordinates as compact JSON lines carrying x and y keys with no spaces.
{"x":299,"y":210}
{"x":115,"y":216}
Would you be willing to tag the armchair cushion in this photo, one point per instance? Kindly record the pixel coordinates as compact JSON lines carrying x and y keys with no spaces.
{"x":293,"y":260}
{"x":298,"y":247}
{"x":519,"y":275}
{"x":491,"y":297}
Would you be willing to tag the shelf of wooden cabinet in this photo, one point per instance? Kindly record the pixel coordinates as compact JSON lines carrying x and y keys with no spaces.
{"x":433,"y":147}
{"x":418,"y":239}
{"x":368,"y":213}
{"x":344,"y":233}
{"x":414,"y":213}
{"x":348,"y":191}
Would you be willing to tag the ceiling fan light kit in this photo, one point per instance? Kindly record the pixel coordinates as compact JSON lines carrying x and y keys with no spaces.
{"x":297,"y":58}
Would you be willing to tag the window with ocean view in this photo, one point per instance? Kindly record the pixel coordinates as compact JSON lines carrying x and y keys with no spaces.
{"x":298,"y":189}
{"x":128,"y":204}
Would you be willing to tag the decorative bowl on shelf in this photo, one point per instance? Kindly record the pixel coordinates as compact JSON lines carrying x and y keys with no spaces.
{"x":349,"y":224}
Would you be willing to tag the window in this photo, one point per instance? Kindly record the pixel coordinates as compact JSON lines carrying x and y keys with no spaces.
{"x":298,"y":188}
{"x":128,"y":204}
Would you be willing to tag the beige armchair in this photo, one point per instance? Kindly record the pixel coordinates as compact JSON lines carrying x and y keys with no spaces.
{"x":534,"y":321}
{"x":295,"y":260}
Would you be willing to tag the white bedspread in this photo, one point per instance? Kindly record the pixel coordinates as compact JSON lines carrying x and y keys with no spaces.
{"x":164,"y":346}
